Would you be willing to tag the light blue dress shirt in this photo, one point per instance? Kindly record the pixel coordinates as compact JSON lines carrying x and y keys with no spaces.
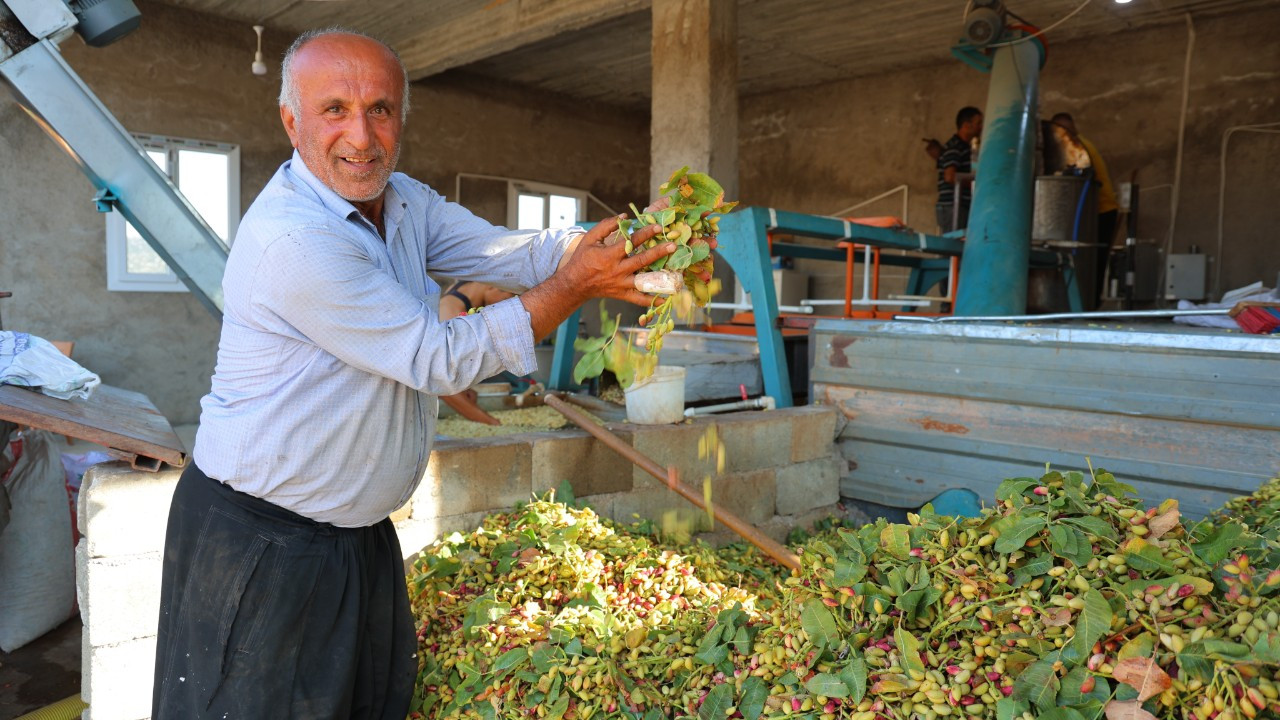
{"x":332,"y":352}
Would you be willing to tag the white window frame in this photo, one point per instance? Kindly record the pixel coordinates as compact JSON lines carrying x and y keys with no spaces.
{"x":516,"y":188}
{"x":118,"y":276}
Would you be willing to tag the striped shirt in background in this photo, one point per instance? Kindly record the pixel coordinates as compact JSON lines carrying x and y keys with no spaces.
{"x":956,"y":153}
{"x":332,"y":353}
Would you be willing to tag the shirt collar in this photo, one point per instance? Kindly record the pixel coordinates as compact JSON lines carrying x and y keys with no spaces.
{"x":392,"y":208}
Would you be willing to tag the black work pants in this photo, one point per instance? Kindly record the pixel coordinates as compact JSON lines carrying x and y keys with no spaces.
{"x":267,"y":614}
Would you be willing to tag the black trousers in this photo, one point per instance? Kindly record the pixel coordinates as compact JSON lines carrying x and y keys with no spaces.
{"x":1106,"y":233}
{"x":267,"y":614}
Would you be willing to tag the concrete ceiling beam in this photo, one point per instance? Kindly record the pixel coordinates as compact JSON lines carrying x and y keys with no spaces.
{"x":499,"y":27}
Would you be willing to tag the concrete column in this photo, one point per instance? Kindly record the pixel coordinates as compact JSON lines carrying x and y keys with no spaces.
{"x":695,"y":91}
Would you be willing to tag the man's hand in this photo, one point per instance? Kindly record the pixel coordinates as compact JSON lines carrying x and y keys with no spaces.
{"x":932,"y":148}
{"x":466,"y":404}
{"x":594,"y":269}
{"x":703,"y":269}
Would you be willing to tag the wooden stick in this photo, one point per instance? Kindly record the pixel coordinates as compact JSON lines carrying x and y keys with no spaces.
{"x":766,"y":544}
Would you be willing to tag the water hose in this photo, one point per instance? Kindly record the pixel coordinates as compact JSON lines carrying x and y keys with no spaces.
{"x":764,"y":402}
{"x":67,"y":709}
{"x":1084,"y":194}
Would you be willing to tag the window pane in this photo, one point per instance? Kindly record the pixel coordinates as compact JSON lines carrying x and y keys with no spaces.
{"x":529,"y":212}
{"x":160,"y":159}
{"x":202,"y":177}
{"x":564,"y":211}
{"x":138,"y":256}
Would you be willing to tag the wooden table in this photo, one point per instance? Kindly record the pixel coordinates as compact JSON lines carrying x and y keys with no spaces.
{"x":123,"y":421}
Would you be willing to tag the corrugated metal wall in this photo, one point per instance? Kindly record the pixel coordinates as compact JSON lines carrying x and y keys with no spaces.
{"x":1174,"y":412}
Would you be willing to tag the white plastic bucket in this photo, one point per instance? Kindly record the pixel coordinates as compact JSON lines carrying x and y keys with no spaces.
{"x":659,"y":398}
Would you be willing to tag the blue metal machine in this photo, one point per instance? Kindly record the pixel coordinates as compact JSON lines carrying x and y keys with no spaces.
{"x":744,"y":244}
{"x":993,"y":272}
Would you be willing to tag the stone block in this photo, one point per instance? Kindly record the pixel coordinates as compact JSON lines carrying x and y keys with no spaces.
{"x":813,"y":432}
{"x":749,"y":495}
{"x":809,"y":485}
{"x":415,"y":534}
{"x":119,"y":596}
{"x":670,"y":445}
{"x":116,"y":680}
{"x":779,"y":526}
{"x":754,"y":440}
{"x":588,"y":464}
{"x":647,"y":503}
{"x":123,"y":511}
{"x":474,"y":475}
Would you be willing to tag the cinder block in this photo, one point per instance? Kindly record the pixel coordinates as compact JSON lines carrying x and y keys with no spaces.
{"x":779,"y":526}
{"x":402,"y":513}
{"x":124,"y":511}
{"x":588,"y":464}
{"x":670,"y":445}
{"x":418,"y":533}
{"x":116,"y":680}
{"x":813,"y":432}
{"x":481,"y":474}
{"x":754,"y":440}
{"x":119,"y":596}
{"x":809,"y":485}
{"x":749,"y":495}
{"x":647,"y":503}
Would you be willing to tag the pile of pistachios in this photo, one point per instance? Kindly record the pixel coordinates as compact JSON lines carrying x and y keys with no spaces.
{"x":1066,"y":599}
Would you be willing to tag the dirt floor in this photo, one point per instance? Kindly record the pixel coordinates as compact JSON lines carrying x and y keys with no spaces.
{"x":42,"y":672}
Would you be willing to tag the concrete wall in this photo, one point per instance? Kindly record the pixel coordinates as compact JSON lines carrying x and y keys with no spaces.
{"x":821,"y":149}
{"x":122,"y":515}
{"x":187,"y":75}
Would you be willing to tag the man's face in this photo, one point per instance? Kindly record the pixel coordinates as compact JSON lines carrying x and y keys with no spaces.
{"x":348,"y":126}
{"x":974,"y":126}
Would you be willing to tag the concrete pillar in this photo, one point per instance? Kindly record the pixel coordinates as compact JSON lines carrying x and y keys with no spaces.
{"x":695,"y":91}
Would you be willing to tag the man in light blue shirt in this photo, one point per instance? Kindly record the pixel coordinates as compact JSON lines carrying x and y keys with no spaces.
{"x":283,"y":592}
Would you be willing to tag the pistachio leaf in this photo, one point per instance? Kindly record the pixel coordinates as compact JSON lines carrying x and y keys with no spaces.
{"x":719,"y":700}
{"x":1164,"y":521}
{"x":1018,"y":535}
{"x":827,"y":684}
{"x":1094,"y":622}
{"x":754,"y":693}
{"x":818,"y":622}
{"x":1038,"y":685}
{"x":1143,"y":675}
{"x":1127,"y":710}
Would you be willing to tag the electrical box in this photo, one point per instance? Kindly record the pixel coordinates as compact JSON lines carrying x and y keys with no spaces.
{"x":1185,"y":276}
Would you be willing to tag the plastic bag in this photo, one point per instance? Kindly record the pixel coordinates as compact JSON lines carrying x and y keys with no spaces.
{"x":30,"y":361}
{"x":37,"y":563}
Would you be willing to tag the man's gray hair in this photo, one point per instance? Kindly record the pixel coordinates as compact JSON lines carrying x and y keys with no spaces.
{"x":289,"y":90}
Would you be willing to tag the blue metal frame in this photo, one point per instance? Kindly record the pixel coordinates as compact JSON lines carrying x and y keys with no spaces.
{"x":744,"y":244}
{"x":561,"y":377}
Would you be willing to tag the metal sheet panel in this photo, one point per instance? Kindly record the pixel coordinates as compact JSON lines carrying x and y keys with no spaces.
{"x":1183,"y":376}
{"x":1188,"y":415}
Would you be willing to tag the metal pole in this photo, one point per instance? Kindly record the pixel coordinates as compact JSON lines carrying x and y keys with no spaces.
{"x":1068,"y":316}
{"x":672,"y":480}
{"x":997,"y":245}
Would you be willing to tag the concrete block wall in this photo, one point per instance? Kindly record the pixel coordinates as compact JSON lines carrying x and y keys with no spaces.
{"x":782,"y":471}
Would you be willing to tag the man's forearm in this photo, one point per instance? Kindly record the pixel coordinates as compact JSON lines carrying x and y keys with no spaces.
{"x":550,"y":303}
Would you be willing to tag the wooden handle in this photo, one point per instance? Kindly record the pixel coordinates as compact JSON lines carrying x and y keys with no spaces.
{"x":671,"y":478}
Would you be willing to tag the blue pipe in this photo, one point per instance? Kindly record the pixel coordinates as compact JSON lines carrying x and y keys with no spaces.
{"x":996,"y":259}
{"x":1075,"y":228}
